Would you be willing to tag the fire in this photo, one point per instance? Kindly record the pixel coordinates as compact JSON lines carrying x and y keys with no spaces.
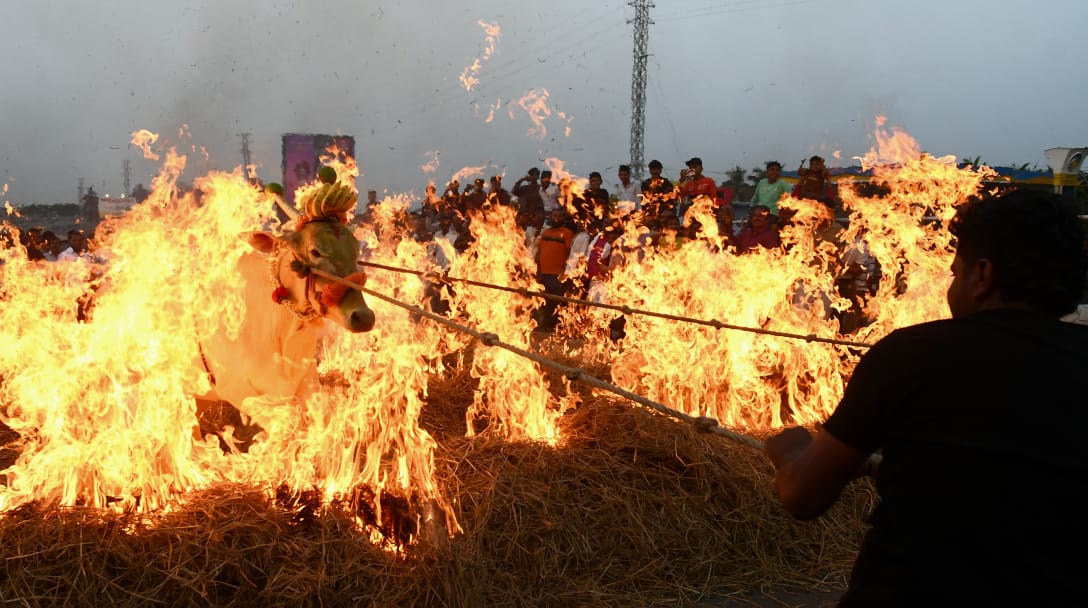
{"x":431,"y":165}
{"x":101,"y":358}
{"x":105,"y":409}
{"x":491,"y":109}
{"x":469,"y":76}
{"x":464,"y":173}
{"x":535,"y":104}
{"x":756,"y":382}
{"x":512,"y":389}
{"x":144,"y":139}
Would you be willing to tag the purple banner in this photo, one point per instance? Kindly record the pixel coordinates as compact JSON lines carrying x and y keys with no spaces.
{"x":299,"y":163}
{"x":303,"y":155}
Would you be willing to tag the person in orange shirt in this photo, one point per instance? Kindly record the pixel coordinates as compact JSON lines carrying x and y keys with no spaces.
{"x":553,"y":247}
{"x":694,"y":184}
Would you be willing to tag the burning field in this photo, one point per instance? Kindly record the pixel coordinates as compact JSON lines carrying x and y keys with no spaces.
{"x":419,"y":465}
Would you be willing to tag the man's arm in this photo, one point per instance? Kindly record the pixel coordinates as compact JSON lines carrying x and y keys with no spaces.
{"x":810,"y":472}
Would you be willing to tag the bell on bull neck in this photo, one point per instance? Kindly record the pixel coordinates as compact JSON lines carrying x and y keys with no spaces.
{"x":281,"y":295}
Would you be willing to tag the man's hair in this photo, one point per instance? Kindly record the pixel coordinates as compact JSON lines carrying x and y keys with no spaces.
{"x":534,"y":172}
{"x":815,"y":158}
{"x":1035,"y":242}
{"x":596,"y":174}
{"x":546,"y":173}
{"x":774,"y":163}
{"x":655,"y":164}
{"x":624,"y":168}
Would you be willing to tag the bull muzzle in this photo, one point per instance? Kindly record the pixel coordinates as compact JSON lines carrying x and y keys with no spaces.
{"x":357,"y":314}
{"x":361,"y":320}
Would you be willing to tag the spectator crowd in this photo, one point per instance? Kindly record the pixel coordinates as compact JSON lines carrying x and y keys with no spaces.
{"x":575,"y":228}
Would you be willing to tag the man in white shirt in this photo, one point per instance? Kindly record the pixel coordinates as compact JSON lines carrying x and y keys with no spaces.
{"x":77,"y":246}
{"x":627,"y":190}
{"x":549,"y":193}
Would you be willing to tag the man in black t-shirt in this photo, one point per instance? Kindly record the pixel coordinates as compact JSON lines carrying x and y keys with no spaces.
{"x":979,"y":420}
{"x":658,"y":196}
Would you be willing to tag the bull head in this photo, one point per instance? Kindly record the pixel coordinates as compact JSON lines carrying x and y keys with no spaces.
{"x":326,"y":245}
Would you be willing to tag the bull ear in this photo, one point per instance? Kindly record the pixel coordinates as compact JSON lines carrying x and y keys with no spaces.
{"x":265,"y":242}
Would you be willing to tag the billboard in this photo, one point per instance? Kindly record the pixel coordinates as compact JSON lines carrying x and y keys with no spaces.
{"x":303,"y":154}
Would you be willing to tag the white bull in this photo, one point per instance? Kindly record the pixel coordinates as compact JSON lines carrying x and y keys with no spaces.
{"x":274,"y":352}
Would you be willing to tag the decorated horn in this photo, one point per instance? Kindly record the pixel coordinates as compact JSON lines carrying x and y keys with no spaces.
{"x":291,"y":212}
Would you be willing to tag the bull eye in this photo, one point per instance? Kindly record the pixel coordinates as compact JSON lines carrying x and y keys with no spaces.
{"x":314,"y":253}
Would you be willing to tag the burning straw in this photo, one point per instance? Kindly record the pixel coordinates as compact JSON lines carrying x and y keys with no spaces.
{"x":632,"y":508}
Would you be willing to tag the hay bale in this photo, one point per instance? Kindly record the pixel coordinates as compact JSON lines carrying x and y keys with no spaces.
{"x":230,"y":546}
{"x":635,"y":509}
{"x":631,"y":509}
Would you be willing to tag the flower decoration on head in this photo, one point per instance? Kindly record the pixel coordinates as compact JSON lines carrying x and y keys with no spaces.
{"x":280,"y":294}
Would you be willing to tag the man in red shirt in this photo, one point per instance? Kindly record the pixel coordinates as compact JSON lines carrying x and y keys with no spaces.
{"x":759,"y":231}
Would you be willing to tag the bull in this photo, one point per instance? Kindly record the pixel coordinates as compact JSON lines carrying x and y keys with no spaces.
{"x":274,"y":351}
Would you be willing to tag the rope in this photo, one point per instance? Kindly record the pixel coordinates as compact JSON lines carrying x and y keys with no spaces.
{"x":627,"y":310}
{"x":702,"y":423}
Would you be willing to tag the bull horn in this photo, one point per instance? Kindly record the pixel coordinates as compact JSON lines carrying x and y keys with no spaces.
{"x":291,"y":213}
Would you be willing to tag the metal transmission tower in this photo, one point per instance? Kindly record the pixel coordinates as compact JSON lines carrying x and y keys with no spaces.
{"x":245,"y":155}
{"x":128,"y":177}
{"x":638,"y":82}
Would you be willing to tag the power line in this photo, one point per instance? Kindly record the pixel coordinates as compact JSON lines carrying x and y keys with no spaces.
{"x":426,"y":97}
{"x":734,"y":7}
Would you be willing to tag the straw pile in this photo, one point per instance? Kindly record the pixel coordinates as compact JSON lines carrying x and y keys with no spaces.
{"x":633,"y":509}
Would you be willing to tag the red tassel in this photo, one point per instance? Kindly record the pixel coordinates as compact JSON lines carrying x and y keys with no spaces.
{"x":334,"y":292}
{"x":280,"y":294}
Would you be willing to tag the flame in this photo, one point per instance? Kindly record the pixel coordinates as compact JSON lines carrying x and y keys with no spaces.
{"x":101,"y":363}
{"x":431,"y":165}
{"x":143,"y":139}
{"x":754,"y":381}
{"x":347,"y":170}
{"x":512,"y":391}
{"x":492,"y":109}
{"x":466,"y":172}
{"x":535,"y":104}
{"x":469,"y":77}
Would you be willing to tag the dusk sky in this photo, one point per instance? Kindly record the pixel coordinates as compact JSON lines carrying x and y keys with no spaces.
{"x":734,"y":82}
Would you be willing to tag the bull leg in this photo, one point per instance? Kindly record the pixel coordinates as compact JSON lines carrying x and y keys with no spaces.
{"x":214,"y":416}
{"x":9,"y":450}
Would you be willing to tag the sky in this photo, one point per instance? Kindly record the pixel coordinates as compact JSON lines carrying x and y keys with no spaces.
{"x":735,"y":82}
